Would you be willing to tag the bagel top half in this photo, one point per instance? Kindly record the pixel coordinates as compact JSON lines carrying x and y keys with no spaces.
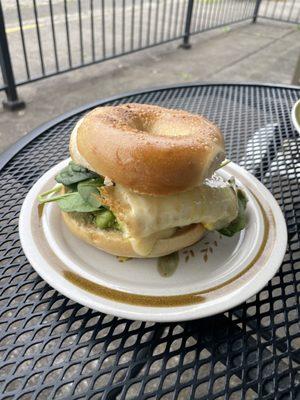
{"x":148,"y":149}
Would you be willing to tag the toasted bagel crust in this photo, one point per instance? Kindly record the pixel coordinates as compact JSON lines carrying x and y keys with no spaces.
{"x":148,"y":149}
{"x":113,"y":242}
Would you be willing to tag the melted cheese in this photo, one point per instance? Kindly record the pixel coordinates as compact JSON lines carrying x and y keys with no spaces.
{"x":144,"y":245}
{"x":145,"y":219}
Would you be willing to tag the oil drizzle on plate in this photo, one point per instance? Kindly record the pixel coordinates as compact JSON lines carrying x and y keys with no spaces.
{"x":167,"y":265}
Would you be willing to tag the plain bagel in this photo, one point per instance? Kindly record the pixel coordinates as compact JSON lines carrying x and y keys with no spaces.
{"x":149,"y":149}
{"x":113,"y":241}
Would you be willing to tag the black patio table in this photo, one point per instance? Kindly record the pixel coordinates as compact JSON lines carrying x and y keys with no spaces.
{"x":53,"y":348}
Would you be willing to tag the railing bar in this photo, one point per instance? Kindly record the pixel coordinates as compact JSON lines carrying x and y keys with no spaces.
{"x":176,"y":24}
{"x":92,"y":29}
{"x":201,"y":18}
{"x":163,"y":22}
{"x":171,"y":20}
{"x":281,"y":14}
{"x":123,"y":25}
{"x":220,"y":17}
{"x":178,"y":27}
{"x":205,"y":16}
{"x":267,"y":7}
{"x":80,"y":32}
{"x":68,"y":33}
{"x":149,"y":22}
{"x":228,"y":17}
{"x":244,"y":9}
{"x":207,"y":4}
{"x":232,"y":12}
{"x":252,"y":9}
{"x":210,"y":9}
{"x":298,"y":17}
{"x":193,"y":17}
{"x":218,"y":12}
{"x":38,"y":37}
{"x":224,"y":13}
{"x":240,"y":10}
{"x":183,"y":17}
{"x":210,"y":14}
{"x":53,"y":35}
{"x":248,"y":9}
{"x":132,"y":24}
{"x":225,"y":9}
{"x":292,"y":8}
{"x":23,"y":40}
{"x":156,"y":21}
{"x":141,"y":24}
{"x":274,"y":8}
{"x":114,"y":28}
{"x":103,"y":28}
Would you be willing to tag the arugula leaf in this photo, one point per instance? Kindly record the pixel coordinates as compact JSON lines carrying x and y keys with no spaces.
{"x":240,"y":222}
{"x":89,"y":191}
{"x":74,"y":173}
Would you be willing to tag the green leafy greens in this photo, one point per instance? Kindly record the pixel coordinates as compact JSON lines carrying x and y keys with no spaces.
{"x":89,"y":191}
{"x":240,"y":222}
{"x":75,"y":173}
{"x":73,"y":202}
{"x":82,"y":195}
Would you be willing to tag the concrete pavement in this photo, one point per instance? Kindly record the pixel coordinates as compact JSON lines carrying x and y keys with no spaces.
{"x":263,"y":52}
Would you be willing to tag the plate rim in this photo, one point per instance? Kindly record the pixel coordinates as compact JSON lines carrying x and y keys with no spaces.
{"x":167,"y":314}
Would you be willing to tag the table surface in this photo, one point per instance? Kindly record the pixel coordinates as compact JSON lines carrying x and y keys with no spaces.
{"x":51,"y":347}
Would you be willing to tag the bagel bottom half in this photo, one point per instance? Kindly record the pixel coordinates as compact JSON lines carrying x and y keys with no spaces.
{"x":113,"y":241}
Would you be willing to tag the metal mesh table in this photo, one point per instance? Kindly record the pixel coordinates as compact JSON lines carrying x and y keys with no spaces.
{"x":53,"y":348}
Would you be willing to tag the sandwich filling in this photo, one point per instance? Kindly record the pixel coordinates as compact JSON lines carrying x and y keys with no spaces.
{"x":144,"y":219}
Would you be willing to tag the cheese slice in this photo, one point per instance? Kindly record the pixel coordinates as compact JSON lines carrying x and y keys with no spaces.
{"x":144,"y":245}
{"x":145,"y":219}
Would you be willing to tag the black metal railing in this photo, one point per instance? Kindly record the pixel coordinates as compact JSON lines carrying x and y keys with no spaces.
{"x":286,"y":10}
{"x":40,"y":39}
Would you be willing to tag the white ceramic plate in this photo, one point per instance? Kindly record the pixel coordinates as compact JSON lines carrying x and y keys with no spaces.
{"x":213,"y":275}
{"x":296,"y":115}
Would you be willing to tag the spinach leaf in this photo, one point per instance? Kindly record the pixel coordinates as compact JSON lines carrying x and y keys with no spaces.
{"x":74,"y":173}
{"x":240,"y":222}
{"x":44,"y":197}
{"x":68,"y":202}
{"x":89,"y":191}
{"x":75,"y":203}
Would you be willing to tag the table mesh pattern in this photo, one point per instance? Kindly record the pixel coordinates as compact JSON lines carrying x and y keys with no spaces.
{"x":53,"y":348}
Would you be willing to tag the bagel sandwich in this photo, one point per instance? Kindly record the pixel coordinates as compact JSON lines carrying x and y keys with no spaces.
{"x":141,"y":181}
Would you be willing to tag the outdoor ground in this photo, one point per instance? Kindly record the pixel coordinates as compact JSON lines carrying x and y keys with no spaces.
{"x":262,"y":52}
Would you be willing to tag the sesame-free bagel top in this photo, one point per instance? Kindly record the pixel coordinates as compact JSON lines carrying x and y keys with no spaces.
{"x":149,"y":149}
